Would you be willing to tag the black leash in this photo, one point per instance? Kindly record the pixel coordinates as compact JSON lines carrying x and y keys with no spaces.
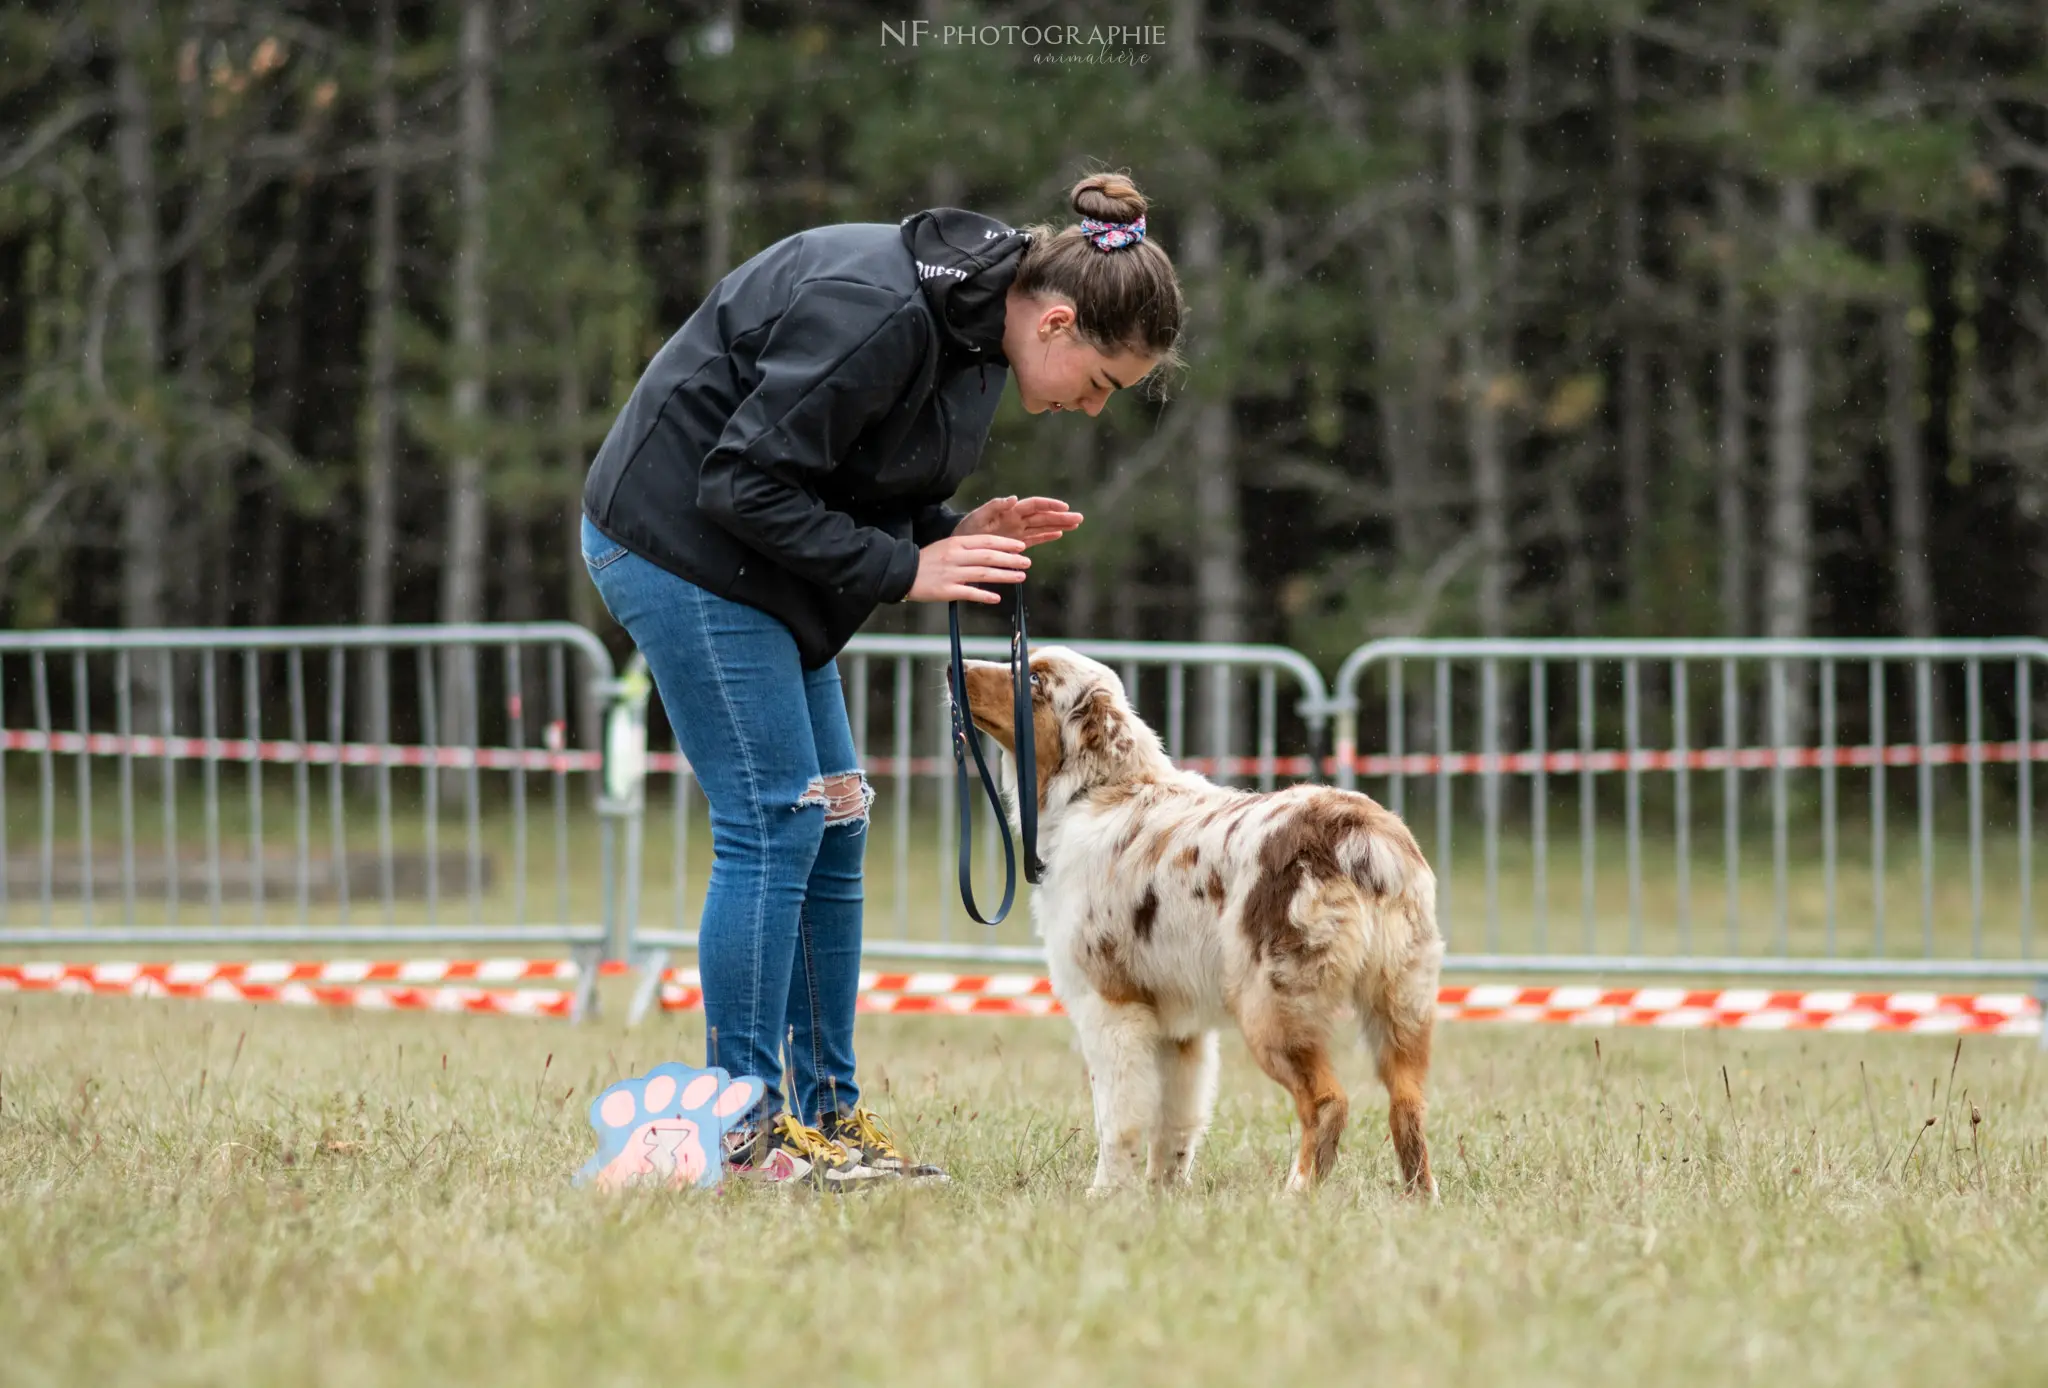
{"x":965,"y":743}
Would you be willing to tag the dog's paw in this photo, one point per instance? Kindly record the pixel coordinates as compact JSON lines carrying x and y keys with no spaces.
{"x":664,"y":1127}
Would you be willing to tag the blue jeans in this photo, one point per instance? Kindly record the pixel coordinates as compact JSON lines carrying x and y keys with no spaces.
{"x":779,"y":944}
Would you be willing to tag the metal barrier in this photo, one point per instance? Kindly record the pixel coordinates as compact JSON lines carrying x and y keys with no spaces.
{"x":895,"y":686}
{"x":1706,"y":737}
{"x":1812,"y":734}
{"x":472,"y":731}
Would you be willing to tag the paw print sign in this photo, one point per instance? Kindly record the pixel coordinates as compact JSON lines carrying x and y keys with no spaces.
{"x":665,"y":1127}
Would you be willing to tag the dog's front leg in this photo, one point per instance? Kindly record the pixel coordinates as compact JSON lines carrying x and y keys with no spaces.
{"x":1187,"y":1095}
{"x":1120,"y":1042}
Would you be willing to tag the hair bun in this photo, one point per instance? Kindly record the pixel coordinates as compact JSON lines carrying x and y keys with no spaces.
{"x":1108,"y":197}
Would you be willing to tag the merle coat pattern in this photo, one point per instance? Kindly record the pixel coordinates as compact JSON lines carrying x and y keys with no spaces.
{"x":1171,"y":905}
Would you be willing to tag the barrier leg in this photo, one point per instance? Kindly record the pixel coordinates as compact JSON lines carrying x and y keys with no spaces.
{"x":651,"y":964}
{"x":589,"y":959}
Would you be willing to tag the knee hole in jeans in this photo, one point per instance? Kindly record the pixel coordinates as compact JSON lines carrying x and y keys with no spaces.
{"x":844,"y":796}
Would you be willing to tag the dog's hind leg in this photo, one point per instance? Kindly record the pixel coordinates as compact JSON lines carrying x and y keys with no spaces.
{"x":1187,"y":1095}
{"x":1399,"y":1023}
{"x":1404,"y":1067}
{"x":1120,"y":1041}
{"x":1296,"y":1053}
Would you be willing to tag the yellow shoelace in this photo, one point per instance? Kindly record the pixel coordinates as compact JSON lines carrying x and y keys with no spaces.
{"x":871,"y":1133}
{"x":808,"y":1140}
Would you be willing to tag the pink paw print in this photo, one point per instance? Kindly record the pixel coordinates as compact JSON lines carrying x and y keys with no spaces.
{"x":665,"y":1127}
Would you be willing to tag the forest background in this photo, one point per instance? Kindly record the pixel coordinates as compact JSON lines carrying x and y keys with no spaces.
{"x":1536,"y":317}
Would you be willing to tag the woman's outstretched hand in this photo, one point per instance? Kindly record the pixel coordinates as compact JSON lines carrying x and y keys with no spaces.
{"x":948,"y":569}
{"x":1034,"y":519}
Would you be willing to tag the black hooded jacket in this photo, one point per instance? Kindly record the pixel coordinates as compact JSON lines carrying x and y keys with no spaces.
{"x":793,"y":445}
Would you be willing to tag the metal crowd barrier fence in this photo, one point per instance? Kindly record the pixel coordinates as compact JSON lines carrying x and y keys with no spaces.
{"x":337,"y":834}
{"x":1798,"y":809}
{"x":1818,"y":739}
{"x":1218,"y":708}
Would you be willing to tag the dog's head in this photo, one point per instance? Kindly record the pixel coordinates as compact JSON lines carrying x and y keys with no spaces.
{"x":1085,"y":732}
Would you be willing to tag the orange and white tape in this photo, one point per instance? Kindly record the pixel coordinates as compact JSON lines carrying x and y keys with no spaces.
{"x":427,"y":985}
{"x":1748,"y":1009}
{"x":158,"y":982}
{"x":195,"y":972}
{"x":556,"y":757}
{"x":1745,"y":1009}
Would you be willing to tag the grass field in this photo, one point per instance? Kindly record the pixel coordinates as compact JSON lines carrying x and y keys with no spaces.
{"x":201,"y":1193}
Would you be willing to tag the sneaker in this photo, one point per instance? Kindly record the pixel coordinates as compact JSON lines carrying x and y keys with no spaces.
{"x":785,"y":1152}
{"x":860,"y":1132}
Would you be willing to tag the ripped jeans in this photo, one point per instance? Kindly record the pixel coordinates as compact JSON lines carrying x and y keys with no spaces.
{"x":779,"y":942}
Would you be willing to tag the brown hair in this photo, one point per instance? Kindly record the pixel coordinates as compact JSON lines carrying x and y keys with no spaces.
{"x":1127,"y":299}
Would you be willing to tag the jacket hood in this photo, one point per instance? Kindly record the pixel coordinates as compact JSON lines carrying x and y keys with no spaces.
{"x":965,"y":263}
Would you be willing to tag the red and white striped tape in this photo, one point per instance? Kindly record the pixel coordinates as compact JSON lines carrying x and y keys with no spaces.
{"x":1744,"y":1009}
{"x":426,"y":985}
{"x":556,"y":758}
{"x":522,"y":1002}
{"x":1695,"y":759}
{"x":958,"y":995}
{"x":242,"y":749}
{"x":1026,"y":995}
{"x":268,"y":972}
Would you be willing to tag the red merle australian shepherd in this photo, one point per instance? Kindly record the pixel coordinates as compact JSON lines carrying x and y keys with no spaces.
{"x":1169,"y":905}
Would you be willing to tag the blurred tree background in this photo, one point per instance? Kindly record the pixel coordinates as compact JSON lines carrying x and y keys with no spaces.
{"x":1517,"y":317}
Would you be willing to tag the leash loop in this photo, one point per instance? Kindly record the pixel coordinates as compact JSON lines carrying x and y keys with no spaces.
{"x":965,"y":744}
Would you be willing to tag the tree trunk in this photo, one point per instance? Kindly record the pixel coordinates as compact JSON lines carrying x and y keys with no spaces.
{"x":1731,"y":504}
{"x":380,"y":453}
{"x":191,"y":511}
{"x":1218,"y":539}
{"x":1570,"y":521}
{"x":721,"y":159}
{"x":278,"y":415}
{"x":942,"y":189}
{"x":380,"y":494}
{"x":144,"y":507}
{"x":1478,"y":384}
{"x":586,"y":608}
{"x":1084,"y":588}
{"x":1403,"y":402}
{"x":944,"y":183}
{"x":1634,"y":403}
{"x":1789,"y":568}
{"x":1788,"y":571}
{"x":1410,"y":394}
{"x":462,"y":577}
{"x":198,"y":518}
{"x":1908,"y":464}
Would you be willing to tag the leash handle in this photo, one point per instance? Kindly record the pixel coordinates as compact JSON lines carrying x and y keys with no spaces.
{"x":1024,"y":733}
{"x":965,"y":744}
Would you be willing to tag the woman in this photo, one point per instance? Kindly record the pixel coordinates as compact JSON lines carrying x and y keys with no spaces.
{"x":779,"y":472}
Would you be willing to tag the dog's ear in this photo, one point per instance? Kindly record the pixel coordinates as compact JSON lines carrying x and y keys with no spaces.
{"x":1098,"y":724}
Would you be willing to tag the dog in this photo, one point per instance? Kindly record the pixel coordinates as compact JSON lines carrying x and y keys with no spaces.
{"x":1170,"y":905}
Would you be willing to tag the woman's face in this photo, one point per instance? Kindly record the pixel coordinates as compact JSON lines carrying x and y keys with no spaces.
{"x":1055,"y":369}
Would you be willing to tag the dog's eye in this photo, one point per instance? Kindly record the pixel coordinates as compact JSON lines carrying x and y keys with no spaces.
{"x":1035,"y":681}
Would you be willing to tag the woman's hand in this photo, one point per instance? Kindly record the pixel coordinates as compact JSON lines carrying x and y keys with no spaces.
{"x":948,"y":569}
{"x":1034,"y":520}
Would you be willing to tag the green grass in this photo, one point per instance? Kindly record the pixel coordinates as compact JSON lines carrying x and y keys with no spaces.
{"x":199,"y":1193}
